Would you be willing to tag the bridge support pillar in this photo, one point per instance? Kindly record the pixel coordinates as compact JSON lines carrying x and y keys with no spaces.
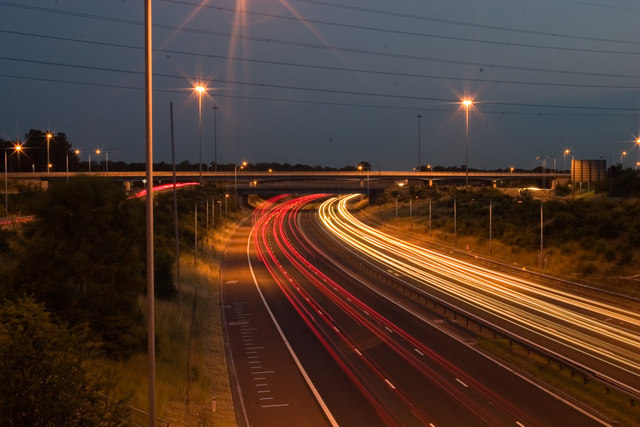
{"x":430,"y":183}
{"x":127,"y":186}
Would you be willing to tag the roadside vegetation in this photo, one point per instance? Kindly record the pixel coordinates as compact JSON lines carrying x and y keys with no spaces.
{"x":587,"y":236}
{"x":78,"y":271}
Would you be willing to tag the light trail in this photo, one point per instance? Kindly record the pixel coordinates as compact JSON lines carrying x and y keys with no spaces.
{"x":278,"y":223}
{"x":573,"y":321}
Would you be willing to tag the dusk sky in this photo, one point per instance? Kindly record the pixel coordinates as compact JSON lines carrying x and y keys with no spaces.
{"x":330,"y":82}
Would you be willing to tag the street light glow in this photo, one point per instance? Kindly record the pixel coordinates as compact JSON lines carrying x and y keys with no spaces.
{"x":200,"y":89}
{"x":467,"y":102}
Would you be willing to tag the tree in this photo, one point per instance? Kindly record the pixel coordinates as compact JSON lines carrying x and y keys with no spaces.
{"x":84,"y":258}
{"x":44,"y":373}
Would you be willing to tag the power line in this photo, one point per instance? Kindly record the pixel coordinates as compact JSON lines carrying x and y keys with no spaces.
{"x":404,"y":32}
{"x":449,"y":101}
{"x":395,"y":56}
{"x":325,"y":103}
{"x":466,"y":24}
{"x":321,"y":67}
{"x":367,"y":52}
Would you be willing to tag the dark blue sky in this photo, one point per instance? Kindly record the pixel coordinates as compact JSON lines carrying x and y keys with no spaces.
{"x":330,"y":82}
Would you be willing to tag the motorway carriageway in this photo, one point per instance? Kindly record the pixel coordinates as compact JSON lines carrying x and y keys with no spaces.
{"x":602,"y":337}
{"x":372,"y":361}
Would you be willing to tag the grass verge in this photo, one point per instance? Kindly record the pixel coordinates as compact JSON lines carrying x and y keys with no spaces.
{"x":191,"y":366}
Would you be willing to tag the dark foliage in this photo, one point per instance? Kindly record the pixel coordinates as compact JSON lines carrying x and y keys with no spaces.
{"x":44,"y":375}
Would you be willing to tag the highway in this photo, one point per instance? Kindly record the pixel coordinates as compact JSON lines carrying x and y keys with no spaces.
{"x":373,"y":359}
{"x":602,"y":337}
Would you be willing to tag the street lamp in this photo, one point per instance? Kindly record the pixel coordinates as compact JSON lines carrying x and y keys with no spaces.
{"x":98,"y":152}
{"x":624,"y":153}
{"x":215,"y":137}
{"x":235,"y":180}
{"x":200,"y":90}
{"x":49,"y":136}
{"x":419,"y":117}
{"x":564,"y":159}
{"x":467,"y":103}
{"x":16,"y":149}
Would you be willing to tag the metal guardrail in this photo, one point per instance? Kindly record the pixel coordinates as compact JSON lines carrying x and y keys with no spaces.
{"x":450,"y":310}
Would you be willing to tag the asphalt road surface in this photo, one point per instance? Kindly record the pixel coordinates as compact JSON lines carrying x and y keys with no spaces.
{"x":314,"y":343}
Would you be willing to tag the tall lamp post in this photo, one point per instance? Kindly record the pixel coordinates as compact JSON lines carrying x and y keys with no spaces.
{"x":624,"y":153}
{"x":49,"y":136}
{"x":418,"y":117}
{"x":200,"y":90}
{"x":215,"y":137}
{"x":564,"y":159}
{"x":467,"y":103}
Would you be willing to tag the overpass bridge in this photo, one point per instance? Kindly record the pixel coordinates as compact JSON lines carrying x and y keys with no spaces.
{"x":264,"y":182}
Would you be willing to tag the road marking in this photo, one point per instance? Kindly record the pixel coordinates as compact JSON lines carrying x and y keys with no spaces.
{"x":275,"y":406}
{"x":418,"y":351}
{"x":520,"y":424}
{"x":255,"y":361}
{"x":264,"y":391}
{"x":230,"y":282}
{"x":263,"y":372}
{"x":461,"y":382}
{"x":357,"y":351}
{"x":254,"y":348}
{"x":262,"y":385}
{"x":265,"y":398}
{"x":259,"y":378}
{"x":389,"y":382}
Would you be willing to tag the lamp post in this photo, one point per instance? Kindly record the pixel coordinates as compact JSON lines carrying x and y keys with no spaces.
{"x":6,"y":187}
{"x":467,"y":103}
{"x":49,"y":136}
{"x":235,"y":180}
{"x":200,"y":89}
{"x":419,"y":117}
{"x":16,"y":149}
{"x":98,"y":152}
{"x":543,"y":161}
{"x":215,"y":137}
{"x":564,"y":159}
{"x":624,"y":153}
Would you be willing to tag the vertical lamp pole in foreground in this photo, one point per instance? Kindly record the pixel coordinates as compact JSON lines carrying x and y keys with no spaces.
{"x":149,"y":208}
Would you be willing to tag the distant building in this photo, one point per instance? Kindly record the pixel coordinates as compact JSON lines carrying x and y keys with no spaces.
{"x":588,"y":171}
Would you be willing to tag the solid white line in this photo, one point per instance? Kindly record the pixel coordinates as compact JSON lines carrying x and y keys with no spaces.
{"x":314,"y":391}
{"x":390,"y":384}
{"x":418,"y":351}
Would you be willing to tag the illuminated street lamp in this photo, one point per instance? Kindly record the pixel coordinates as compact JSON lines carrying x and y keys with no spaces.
{"x":564,"y":159}
{"x":624,"y":153}
{"x":98,"y":152}
{"x":16,"y":149}
{"x":200,"y":90}
{"x":419,"y":117}
{"x":467,"y":103}
{"x":49,"y":136}
{"x":235,"y":180}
